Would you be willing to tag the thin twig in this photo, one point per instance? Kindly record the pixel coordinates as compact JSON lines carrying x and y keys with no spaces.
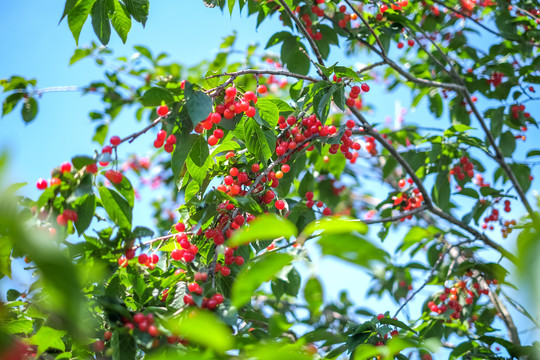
{"x":304,"y":31}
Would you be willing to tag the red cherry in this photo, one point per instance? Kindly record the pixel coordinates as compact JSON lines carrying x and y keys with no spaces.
{"x":115,"y":140}
{"x":239,"y":260}
{"x":364,"y":87}
{"x":251,"y":111}
{"x":171,"y":139}
{"x":41,"y":184}
{"x":65,"y":167}
{"x":143,"y":258}
{"x":61,"y":220}
{"x":218,"y":298}
{"x":225,"y":271}
{"x":218,"y":133}
{"x":280,"y":204}
{"x":230,"y":92}
{"x":261,"y":89}
{"x":122,"y":261}
{"x":91,"y":168}
{"x":400,"y":45}
{"x":107,"y":335}
{"x":153,"y":331}
{"x":410,"y":42}
{"x":98,"y":346}
{"x":161,"y":135}
{"x":380,"y":316}
{"x":255,"y":168}
{"x":327,"y":212}
{"x":162,"y":110}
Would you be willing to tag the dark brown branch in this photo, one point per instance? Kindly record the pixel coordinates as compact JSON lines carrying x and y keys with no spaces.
{"x":366,"y":23}
{"x":304,"y":31}
{"x":264,"y":72}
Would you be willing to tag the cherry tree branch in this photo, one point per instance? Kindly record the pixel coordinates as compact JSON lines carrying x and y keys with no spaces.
{"x":371,"y":30}
{"x":304,"y":31}
{"x":264,"y":72}
{"x":395,"y":218}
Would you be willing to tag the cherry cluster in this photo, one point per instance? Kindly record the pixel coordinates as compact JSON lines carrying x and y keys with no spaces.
{"x":454,"y":299}
{"x":464,"y":168}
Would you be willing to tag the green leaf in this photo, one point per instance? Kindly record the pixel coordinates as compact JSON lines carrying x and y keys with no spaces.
{"x":18,"y":327}
{"x":204,"y":328}
{"x":121,"y":20}
{"x":277,"y":38}
{"x":81,"y":161}
{"x":46,"y":338}
{"x":351,"y":248}
{"x":138,"y":9}
{"x":29,"y":109}
{"x":141,"y":231}
{"x":231,"y":5}
{"x":117,"y":207}
{"x":5,"y":257}
{"x":256,"y":273}
{"x":68,"y":7}
{"x":265,"y":227}
{"x":268,"y":111}
{"x":298,"y":63}
{"x":123,"y":345}
{"x":256,"y":141}
{"x":77,"y":17}
{"x":522,"y":173}
{"x":533,"y":153}
{"x":156,"y":96}
{"x":100,"y":21}
{"x":342,"y":71}
{"x":85,"y":213}
{"x":496,"y":124}
{"x":199,"y":160}
{"x":313,"y":293}
{"x":126,"y":189}
{"x":324,"y":104}
{"x":435,"y":104}
{"x":184,"y":144}
{"x":199,"y":104}
{"x":507,"y":144}
{"x":441,"y":190}
{"x":335,"y":225}
{"x":10,"y":102}
{"x":397,"y":323}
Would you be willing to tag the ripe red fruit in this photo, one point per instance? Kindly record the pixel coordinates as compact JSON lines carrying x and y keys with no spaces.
{"x":410,"y":42}
{"x":122,"y":261}
{"x":180,"y":227}
{"x":162,"y":110}
{"x":327,"y":212}
{"x":41,"y":184}
{"x":143,"y":258}
{"x":230,"y":92}
{"x":153,"y":330}
{"x":91,"y":168}
{"x":107,"y":335}
{"x":98,"y":346}
{"x":249,"y":96}
{"x":61,"y":220}
{"x":177,"y":254}
{"x":218,"y":298}
{"x":255,"y":168}
{"x":280,"y":204}
{"x":218,"y":133}
{"x":380,"y":316}
{"x":171,"y":139}
{"x":70,"y":215}
{"x":239,"y":260}
{"x":65,"y":167}
{"x":161,"y":135}
{"x":114,"y":176}
{"x":364,"y":87}
{"x":261,"y":89}
{"x":225,"y":271}
{"x":115,"y":140}
{"x":400,"y":45}
{"x":250,"y":112}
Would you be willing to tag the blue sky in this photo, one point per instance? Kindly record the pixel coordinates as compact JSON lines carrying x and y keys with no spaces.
{"x":34,"y":45}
